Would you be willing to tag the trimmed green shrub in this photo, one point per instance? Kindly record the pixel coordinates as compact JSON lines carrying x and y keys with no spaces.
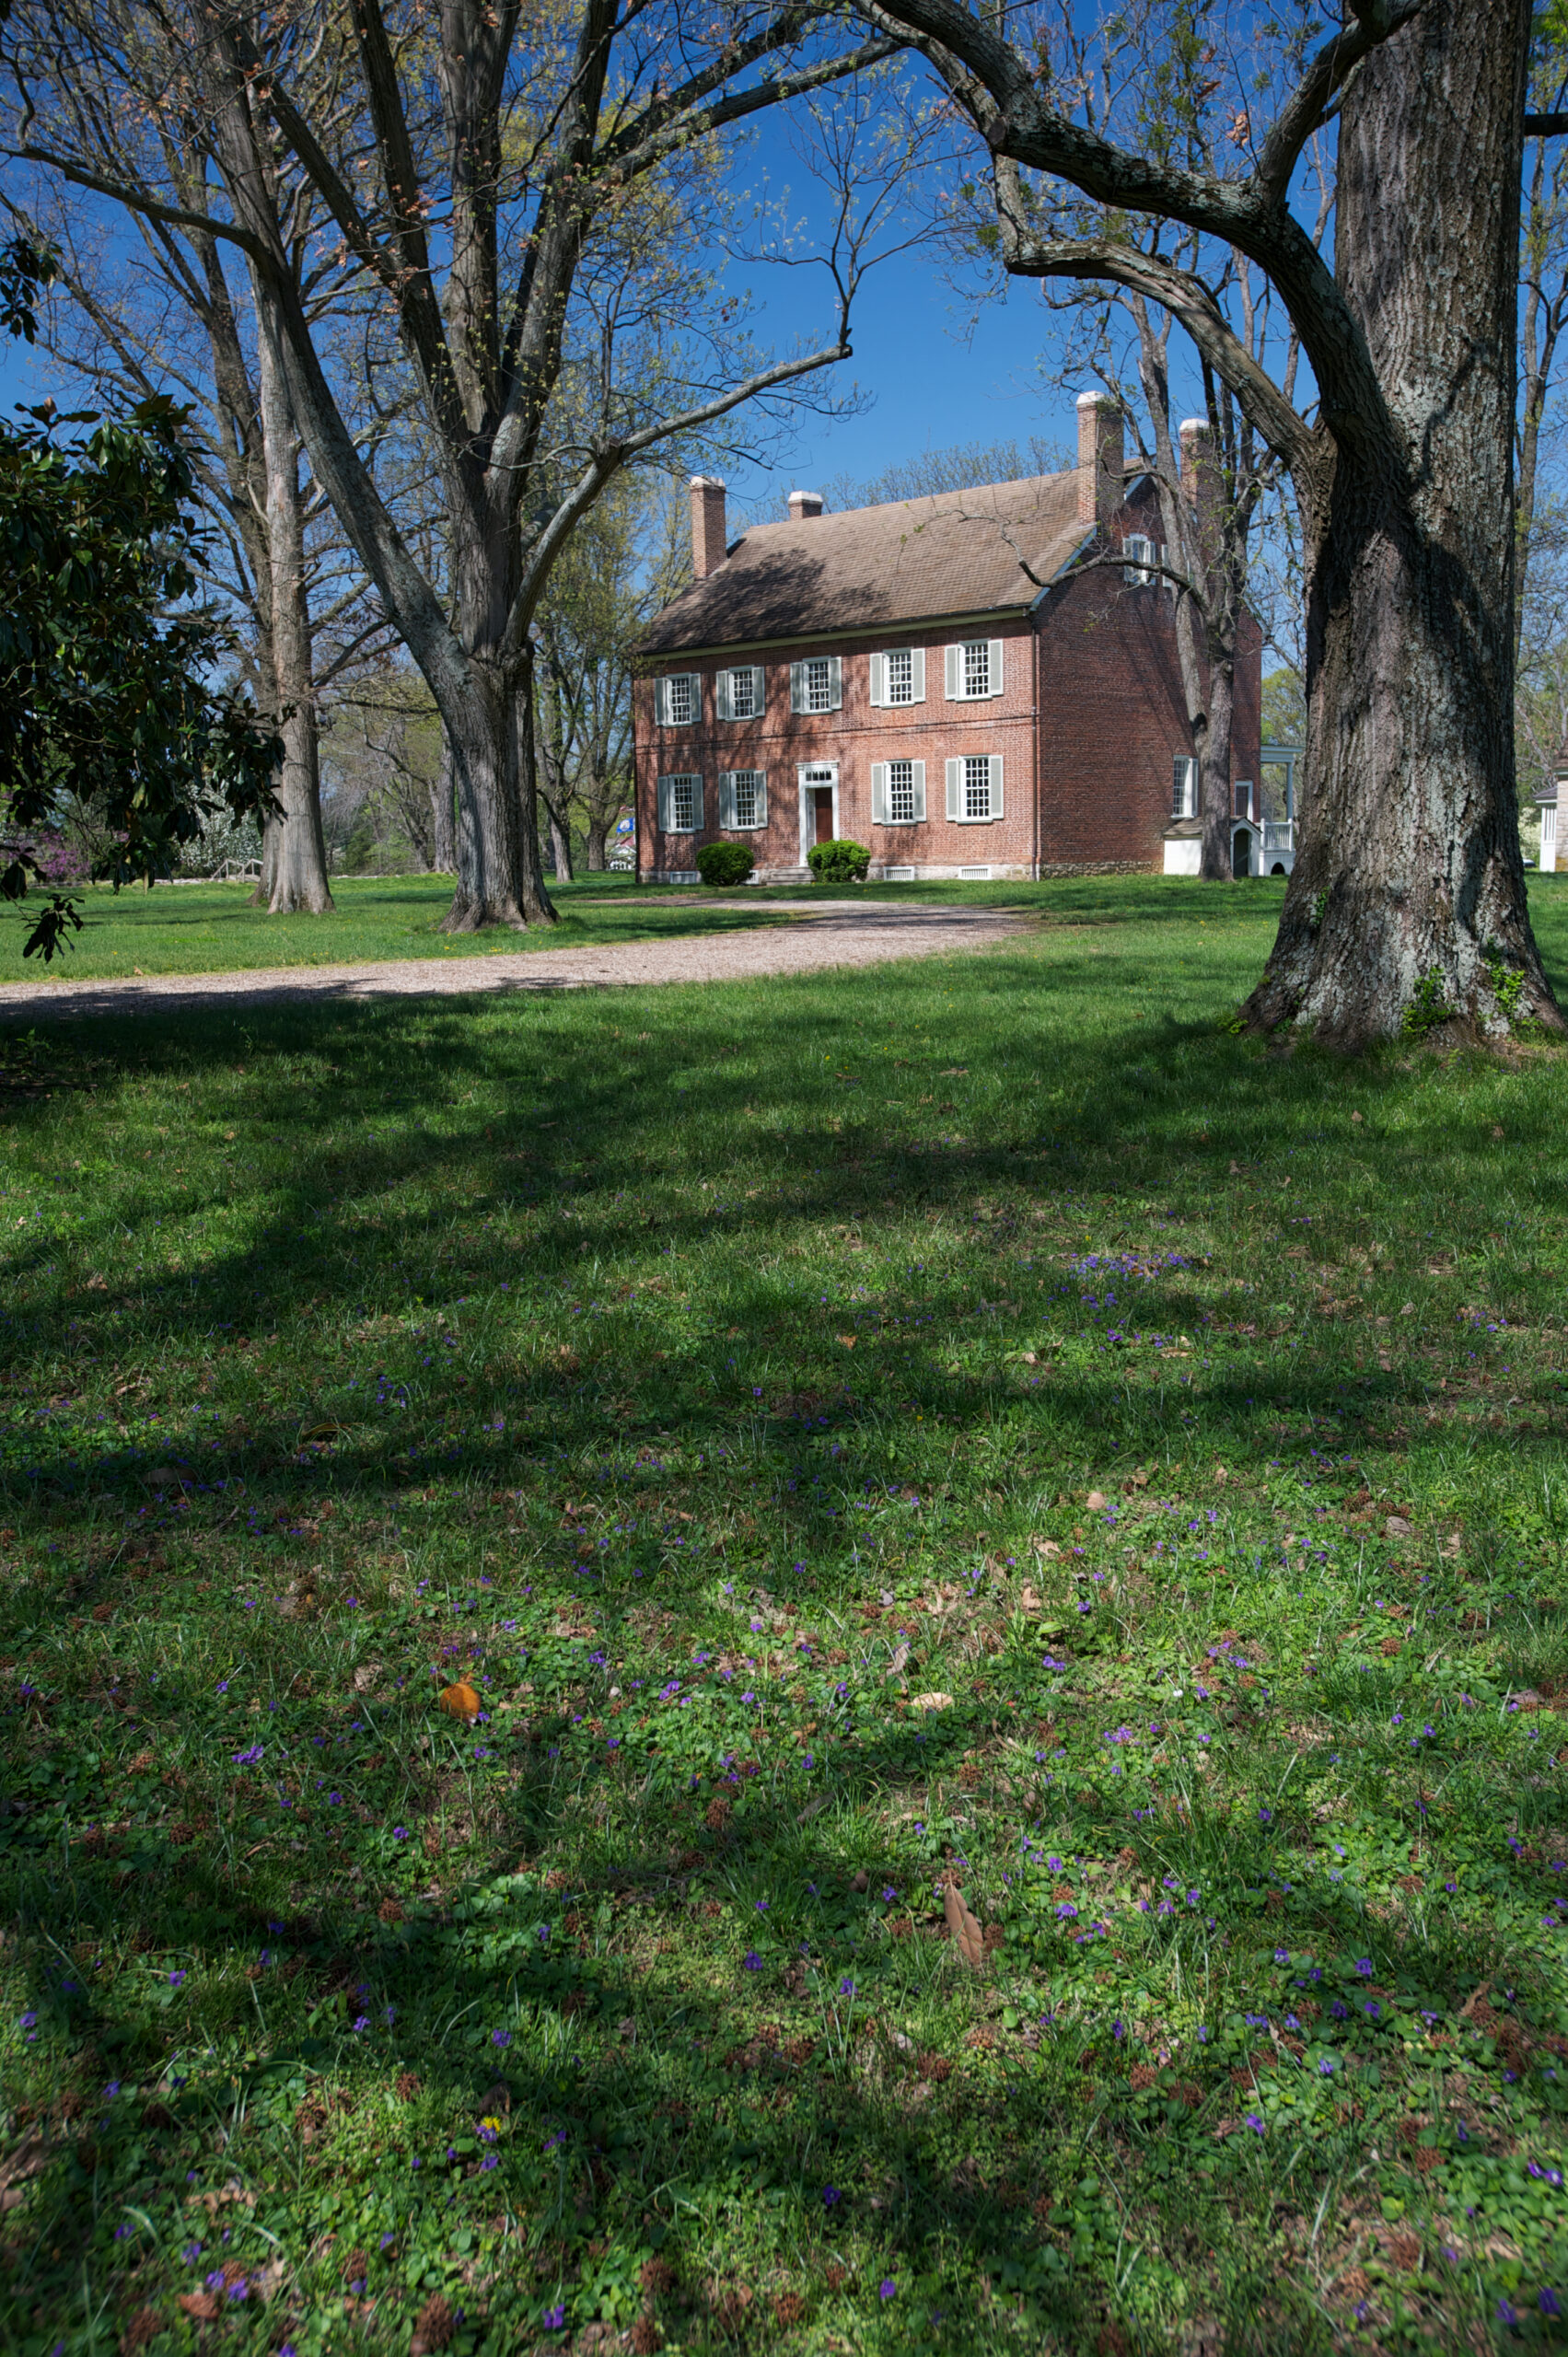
{"x":839,"y":861}
{"x":724,"y":863}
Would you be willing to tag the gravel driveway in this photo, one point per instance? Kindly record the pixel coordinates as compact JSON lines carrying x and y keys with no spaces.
{"x":839,"y":933}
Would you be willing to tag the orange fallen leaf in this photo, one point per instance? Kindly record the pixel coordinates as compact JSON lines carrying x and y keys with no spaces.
{"x":964,"y":1928}
{"x":203,"y":2305}
{"x":848,"y":1341}
{"x":1095,"y":1500}
{"x":461,"y":1700}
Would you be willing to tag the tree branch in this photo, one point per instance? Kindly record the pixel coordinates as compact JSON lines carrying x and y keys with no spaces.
{"x":609,"y":461}
{"x":1180,"y":292}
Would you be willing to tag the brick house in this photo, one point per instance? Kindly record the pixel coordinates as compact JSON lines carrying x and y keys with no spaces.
{"x":947,"y":679}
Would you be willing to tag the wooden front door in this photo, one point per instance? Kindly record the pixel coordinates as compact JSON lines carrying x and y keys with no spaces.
{"x":822,"y":814}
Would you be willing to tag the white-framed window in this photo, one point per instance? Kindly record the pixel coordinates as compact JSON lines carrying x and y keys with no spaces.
{"x":680,"y":803}
{"x":743,"y":798}
{"x":974,"y":788}
{"x":899,"y":676}
{"x":897,"y":794}
{"x":1243,"y":786}
{"x":973,"y":671}
{"x":815,"y":684}
{"x":739,"y":692}
{"x":1184,"y":786}
{"x":678,"y":700}
{"x":1144,"y":562}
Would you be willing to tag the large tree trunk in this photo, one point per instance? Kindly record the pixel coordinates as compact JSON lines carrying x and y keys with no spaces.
{"x":599,"y":836}
{"x":500,"y":875}
{"x":298,"y":880}
{"x":1407,"y":902}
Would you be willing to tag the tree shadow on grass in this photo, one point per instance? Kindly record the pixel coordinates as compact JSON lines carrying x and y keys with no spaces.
{"x":857,"y":2127}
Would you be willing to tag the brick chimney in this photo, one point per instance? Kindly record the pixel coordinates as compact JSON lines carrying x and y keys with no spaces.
{"x":707,"y":525}
{"x":1197,"y":458}
{"x":1101,"y":460}
{"x":803,"y":504}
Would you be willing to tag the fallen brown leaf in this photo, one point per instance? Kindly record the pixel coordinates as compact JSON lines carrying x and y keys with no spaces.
{"x":964,"y":1928}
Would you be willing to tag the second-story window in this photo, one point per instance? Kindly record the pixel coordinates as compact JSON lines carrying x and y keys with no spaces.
{"x":899,"y":676}
{"x":973,"y":671}
{"x":741,"y":692}
{"x":816,"y":683}
{"x":678,"y":699}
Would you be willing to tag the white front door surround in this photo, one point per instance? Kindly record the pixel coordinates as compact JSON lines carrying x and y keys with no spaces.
{"x":813,"y":775}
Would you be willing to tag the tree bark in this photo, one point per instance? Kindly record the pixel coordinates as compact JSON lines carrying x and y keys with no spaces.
{"x":500,"y":876}
{"x":443,"y":853}
{"x":598,"y":838}
{"x":1407,"y":903}
{"x":297,"y":881}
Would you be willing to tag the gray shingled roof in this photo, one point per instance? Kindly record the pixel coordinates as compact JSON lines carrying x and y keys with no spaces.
{"x":952,"y":552}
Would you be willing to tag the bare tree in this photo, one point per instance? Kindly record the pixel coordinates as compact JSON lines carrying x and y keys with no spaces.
{"x":1407,"y":902}
{"x":556,"y":153}
{"x":167,"y":317}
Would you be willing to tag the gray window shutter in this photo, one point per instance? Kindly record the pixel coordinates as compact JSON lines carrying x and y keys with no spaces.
{"x":995,"y":670}
{"x":727,"y":797}
{"x":996,"y":785}
{"x":696,"y":804}
{"x":761,"y":797}
{"x":797,"y":686}
{"x":955,"y":656}
{"x":661,"y":803}
{"x":724,"y":703}
{"x":878,"y":683}
{"x":835,"y":681}
{"x":878,"y":786}
{"x":661,"y":702}
{"x":917,"y":674}
{"x":758,"y":690}
{"x":918,"y":783}
{"x":955,"y":781}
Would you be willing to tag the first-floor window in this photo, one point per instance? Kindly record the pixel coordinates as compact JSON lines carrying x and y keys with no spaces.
{"x":743,"y":798}
{"x":897,"y":794}
{"x":680,"y":805}
{"x":974,"y":787}
{"x":1184,"y":788}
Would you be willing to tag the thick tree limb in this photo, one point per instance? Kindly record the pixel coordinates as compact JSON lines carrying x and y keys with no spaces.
{"x":1028,"y":255}
{"x":1006,"y":105}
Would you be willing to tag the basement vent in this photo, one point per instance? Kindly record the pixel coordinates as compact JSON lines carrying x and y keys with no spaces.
{"x":898,"y":876}
{"x":980,"y":875}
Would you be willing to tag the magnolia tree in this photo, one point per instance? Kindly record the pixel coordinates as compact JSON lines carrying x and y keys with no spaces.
{"x":525,"y":193}
{"x":1407,"y":902}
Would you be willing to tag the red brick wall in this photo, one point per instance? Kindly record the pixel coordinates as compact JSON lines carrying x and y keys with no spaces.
{"x":1100,"y":660}
{"x":1112,"y":720}
{"x":853,"y":738}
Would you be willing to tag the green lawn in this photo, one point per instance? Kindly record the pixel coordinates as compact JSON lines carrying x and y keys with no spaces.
{"x":212,"y":928}
{"x":973,"y":1422}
